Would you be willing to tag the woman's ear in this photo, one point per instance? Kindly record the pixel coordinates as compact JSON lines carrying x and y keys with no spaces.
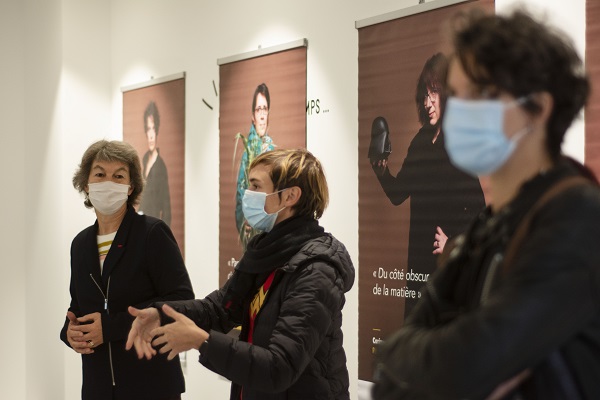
{"x":291,"y":196}
{"x":546,"y":103}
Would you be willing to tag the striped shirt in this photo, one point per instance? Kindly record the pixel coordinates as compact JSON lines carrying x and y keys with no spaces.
{"x":104,"y":243}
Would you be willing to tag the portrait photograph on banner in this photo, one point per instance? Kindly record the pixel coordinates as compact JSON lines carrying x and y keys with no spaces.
{"x":154,"y":124}
{"x":592,"y":110}
{"x":262,"y":107}
{"x":411,"y":198}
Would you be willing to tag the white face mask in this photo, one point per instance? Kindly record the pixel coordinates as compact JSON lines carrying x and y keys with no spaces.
{"x":108,"y":197}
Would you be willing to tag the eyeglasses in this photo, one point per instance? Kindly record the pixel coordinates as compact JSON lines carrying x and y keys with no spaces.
{"x":261,"y":110}
{"x":432,"y":96}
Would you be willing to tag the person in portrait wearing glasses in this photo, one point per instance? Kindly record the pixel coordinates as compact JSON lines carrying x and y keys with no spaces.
{"x":443,"y":199}
{"x":257,"y":142}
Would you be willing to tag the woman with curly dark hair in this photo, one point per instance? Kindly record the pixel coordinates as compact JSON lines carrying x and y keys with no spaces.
{"x":514,"y":313}
{"x":443,"y":199}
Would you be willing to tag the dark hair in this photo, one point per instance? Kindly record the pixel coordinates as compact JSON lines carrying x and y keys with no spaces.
{"x":433,"y":76}
{"x":151,"y":111}
{"x":521,"y":56}
{"x":264,"y":90}
{"x":115,"y":150}
{"x":298,"y":168}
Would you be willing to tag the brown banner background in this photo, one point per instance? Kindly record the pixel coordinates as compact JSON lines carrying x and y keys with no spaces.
{"x":284,"y":73}
{"x":592,"y":61}
{"x":170,"y":101}
{"x":391,"y":56}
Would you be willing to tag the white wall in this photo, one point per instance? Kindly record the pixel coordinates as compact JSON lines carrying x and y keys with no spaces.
{"x":12,"y":209}
{"x":43,"y":244}
{"x":63,"y":67}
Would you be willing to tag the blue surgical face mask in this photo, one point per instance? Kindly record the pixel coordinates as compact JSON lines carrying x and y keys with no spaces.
{"x":253,"y":207}
{"x":474,"y":134}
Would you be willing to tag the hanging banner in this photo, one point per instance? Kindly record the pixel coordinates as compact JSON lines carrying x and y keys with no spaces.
{"x":154,"y":124}
{"x":262,"y":107}
{"x":411,"y":198}
{"x":592,"y":63}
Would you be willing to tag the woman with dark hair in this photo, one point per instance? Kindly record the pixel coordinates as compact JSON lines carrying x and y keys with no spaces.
{"x":257,"y":142}
{"x":122,"y":259}
{"x":156,"y":200}
{"x":514,"y":313}
{"x":443,"y":199}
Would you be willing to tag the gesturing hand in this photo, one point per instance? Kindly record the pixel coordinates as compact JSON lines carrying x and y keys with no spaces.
{"x":179,"y":336}
{"x":140,"y":336}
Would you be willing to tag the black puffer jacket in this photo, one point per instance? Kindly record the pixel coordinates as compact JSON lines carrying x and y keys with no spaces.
{"x":297,"y":350}
{"x":482,"y":321}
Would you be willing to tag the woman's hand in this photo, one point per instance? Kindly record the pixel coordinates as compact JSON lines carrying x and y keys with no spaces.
{"x":379,"y":166}
{"x":84,"y":333}
{"x":181,"y":335}
{"x":140,"y":335}
{"x":75,"y":337}
{"x":440,"y":241}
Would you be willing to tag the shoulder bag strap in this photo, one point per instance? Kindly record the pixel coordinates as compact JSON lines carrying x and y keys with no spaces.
{"x":523,"y":227}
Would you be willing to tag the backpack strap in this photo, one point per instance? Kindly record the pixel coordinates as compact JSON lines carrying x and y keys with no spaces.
{"x":523,"y":227}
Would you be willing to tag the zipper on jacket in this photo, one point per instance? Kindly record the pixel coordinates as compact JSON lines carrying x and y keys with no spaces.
{"x":112,"y":371}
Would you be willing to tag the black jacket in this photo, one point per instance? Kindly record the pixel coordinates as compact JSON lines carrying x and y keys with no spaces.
{"x":144,"y":265}
{"x":297,"y":350}
{"x":481,"y":322}
{"x":156,"y":198}
{"x":440,"y":195}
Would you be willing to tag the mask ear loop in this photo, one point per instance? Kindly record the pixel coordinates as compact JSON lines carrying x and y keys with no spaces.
{"x":526,"y":129}
{"x":280,"y":210}
{"x":521,"y":133}
{"x":518,"y":102}
{"x":279,"y":191}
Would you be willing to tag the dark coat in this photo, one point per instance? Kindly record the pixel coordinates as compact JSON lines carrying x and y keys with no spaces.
{"x":481,"y":322}
{"x":440,"y":195}
{"x":297,"y":350}
{"x":156,"y":198}
{"x":144,"y":265}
